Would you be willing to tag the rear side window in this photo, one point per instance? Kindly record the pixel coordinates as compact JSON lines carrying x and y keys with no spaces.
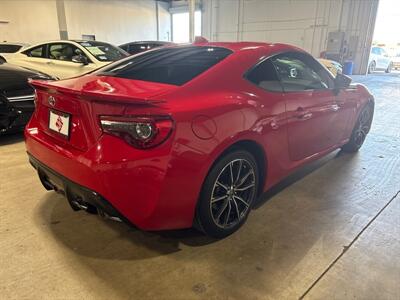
{"x":36,"y":52}
{"x":175,"y":66}
{"x":264,"y":75}
{"x":9,"y":48}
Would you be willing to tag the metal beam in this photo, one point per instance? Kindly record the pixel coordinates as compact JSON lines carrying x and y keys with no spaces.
{"x":192,"y":8}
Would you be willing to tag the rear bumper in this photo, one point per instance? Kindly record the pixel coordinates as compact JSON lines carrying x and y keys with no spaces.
{"x":150,"y":189}
{"x":78,"y":196}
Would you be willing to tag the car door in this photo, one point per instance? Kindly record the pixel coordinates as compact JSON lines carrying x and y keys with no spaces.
{"x":60,"y":60}
{"x":312,"y":109}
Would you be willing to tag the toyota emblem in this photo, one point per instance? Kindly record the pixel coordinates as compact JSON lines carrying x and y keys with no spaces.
{"x":52,"y":100}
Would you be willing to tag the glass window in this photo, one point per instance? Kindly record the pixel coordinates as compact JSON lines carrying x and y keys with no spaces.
{"x":137,"y":48}
{"x":103,"y":51}
{"x":180,"y":26}
{"x":9,"y":48}
{"x":378,"y":51}
{"x":63,"y":51}
{"x":175,"y":66}
{"x":299,"y":72}
{"x":36,"y":52}
{"x":264,"y":75}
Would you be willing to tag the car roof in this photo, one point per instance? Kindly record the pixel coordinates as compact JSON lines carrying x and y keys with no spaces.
{"x":10,"y":43}
{"x":248,"y":46}
{"x":149,"y":42}
{"x":65,"y":41}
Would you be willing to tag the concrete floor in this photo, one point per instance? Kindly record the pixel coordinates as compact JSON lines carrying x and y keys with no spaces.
{"x":331,"y":231}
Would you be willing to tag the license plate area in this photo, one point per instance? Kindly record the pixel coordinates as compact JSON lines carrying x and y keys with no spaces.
{"x":59,"y":123}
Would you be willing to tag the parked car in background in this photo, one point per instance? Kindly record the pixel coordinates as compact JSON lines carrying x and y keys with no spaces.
{"x":192,"y":134}
{"x":7,"y":48}
{"x":67,"y":58}
{"x":333,"y":66}
{"x":137,"y":47}
{"x":396,"y":62}
{"x":16,"y":96}
{"x":379,"y":60}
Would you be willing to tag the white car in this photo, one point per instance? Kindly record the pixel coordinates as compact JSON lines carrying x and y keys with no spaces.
{"x":7,"y":49}
{"x":67,"y":58}
{"x":379,"y":60}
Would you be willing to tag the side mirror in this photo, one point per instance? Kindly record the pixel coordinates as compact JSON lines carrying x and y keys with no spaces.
{"x":342,"y":82}
{"x":80,"y":59}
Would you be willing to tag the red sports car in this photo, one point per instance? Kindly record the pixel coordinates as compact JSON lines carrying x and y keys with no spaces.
{"x":191,"y":135}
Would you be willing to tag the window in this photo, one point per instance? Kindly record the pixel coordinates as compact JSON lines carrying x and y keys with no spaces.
{"x":103,"y":51}
{"x":9,"y":48}
{"x":63,"y":51}
{"x":175,"y":66}
{"x":36,"y":52}
{"x":137,"y":48}
{"x":299,"y":72}
{"x":180,"y":26}
{"x":264,"y":75}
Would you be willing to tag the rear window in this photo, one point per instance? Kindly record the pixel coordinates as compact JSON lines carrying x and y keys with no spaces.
{"x":9,"y":48}
{"x":174,"y":66}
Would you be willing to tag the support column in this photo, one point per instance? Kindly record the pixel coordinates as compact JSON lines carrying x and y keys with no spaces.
{"x":62,"y":20}
{"x":192,"y":7}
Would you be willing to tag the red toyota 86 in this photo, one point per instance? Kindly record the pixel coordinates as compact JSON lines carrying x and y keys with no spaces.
{"x":191,"y":135}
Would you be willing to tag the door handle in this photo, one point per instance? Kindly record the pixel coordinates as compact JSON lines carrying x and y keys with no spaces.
{"x":49,"y":62}
{"x":303,"y":114}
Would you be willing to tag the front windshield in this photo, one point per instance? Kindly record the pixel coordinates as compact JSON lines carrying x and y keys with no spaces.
{"x":103,"y":51}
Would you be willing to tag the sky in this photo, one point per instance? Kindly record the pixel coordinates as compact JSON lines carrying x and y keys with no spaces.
{"x":387,"y":25}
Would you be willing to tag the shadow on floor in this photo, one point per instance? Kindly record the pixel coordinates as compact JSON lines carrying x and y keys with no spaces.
{"x":87,"y":234}
{"x":294,"y":177}
{"x":8,"y":139}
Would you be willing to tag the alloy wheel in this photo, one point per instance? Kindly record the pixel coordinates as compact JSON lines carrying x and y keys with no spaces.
{"x":363,"y":126}
{"x":233,"y":193}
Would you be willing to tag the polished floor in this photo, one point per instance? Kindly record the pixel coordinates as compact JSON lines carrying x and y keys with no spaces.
{"x":331,"y":231}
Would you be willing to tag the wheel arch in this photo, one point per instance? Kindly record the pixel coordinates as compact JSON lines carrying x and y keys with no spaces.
{"x":253,"y":148}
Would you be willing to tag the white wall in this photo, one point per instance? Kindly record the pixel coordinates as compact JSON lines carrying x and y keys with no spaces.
{"x":164,"y":19}
{"x":29,"y":21}
{"x":304,"y":23}
{"x":114,"y":21}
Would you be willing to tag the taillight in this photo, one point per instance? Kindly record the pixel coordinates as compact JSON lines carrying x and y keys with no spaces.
{"x":140,"y":132}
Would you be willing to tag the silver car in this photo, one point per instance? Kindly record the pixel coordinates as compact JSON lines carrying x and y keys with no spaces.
{"x":379,"y":60}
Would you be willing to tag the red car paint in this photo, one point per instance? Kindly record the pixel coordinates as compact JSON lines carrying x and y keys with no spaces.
{"x":158,"y":188}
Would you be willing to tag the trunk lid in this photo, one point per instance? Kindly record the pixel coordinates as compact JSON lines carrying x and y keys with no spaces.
{"x":80,"y":101}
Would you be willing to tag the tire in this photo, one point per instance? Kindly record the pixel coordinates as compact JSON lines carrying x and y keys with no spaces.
{"x":389,"y":68}
{"x":2,"y":60}
{"x":371,"y":67}
{"x":360,"y":130}
{"x":224,"y":204}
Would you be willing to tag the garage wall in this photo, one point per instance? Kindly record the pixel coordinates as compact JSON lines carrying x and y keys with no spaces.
{"x":304,"y":23}
{"x":28,"y":21}
{"x":115,"y":21}
{"x":164,"y":18}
